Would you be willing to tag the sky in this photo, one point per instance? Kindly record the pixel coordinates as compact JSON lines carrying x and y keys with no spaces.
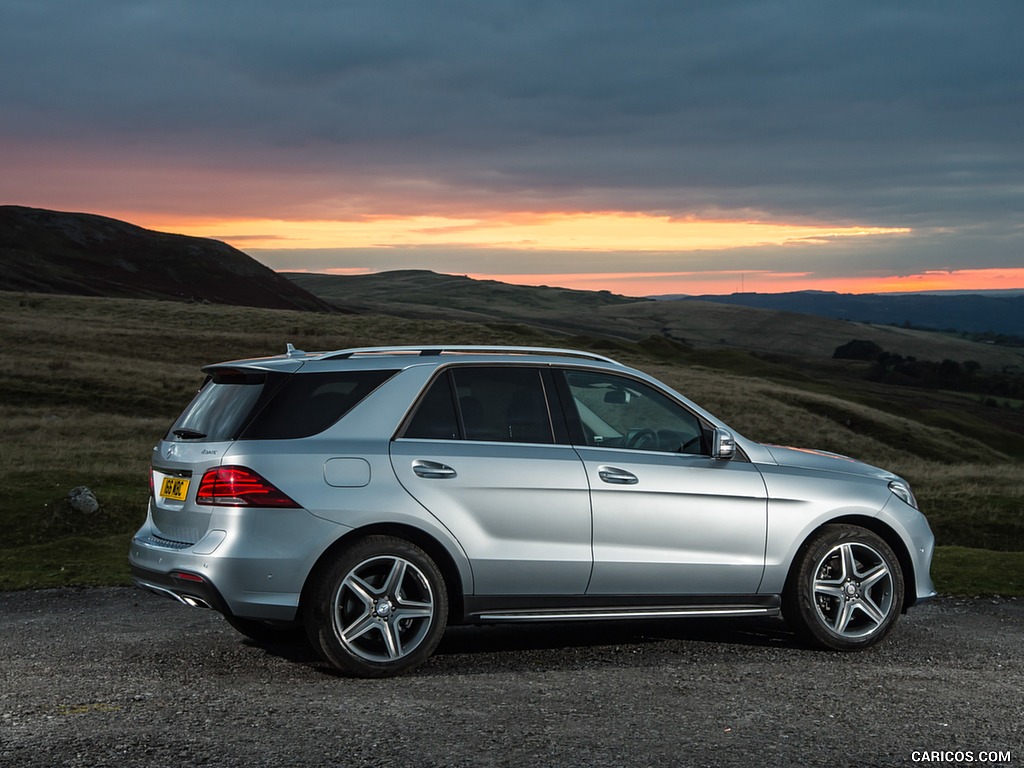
{"x":644,"y":146}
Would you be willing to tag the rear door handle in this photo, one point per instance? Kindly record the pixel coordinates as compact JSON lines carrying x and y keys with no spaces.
{"x":432,"y":469}
{"x":617,"y":476}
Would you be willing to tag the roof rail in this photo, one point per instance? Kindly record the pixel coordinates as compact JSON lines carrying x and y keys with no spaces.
{"x":441,"y":349}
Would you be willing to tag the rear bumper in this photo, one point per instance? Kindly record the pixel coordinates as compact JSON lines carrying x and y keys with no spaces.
{"x":253,"y":565}
{"x":189,"y":589}
{"x":232,"y":586}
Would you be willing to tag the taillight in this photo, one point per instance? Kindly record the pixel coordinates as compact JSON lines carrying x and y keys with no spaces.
{"x":239,"y":487}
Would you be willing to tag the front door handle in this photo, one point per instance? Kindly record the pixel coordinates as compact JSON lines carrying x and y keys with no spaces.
{"x":617,"y":476}
{"x":432,"y":469}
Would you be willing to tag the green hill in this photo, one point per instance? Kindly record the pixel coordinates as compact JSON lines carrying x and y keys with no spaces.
{"x":90,"y":384}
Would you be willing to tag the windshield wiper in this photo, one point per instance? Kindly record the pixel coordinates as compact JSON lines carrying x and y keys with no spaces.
{"x":188,"y":434}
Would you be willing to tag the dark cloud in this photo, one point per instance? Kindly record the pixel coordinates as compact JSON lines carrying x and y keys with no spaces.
{"x":889,"y":114}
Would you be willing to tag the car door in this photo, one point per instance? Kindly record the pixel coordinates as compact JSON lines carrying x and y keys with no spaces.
{"x":479,"y":453}
{"x":668,"y":518}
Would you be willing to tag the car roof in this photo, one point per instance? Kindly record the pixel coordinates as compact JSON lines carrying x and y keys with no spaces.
{"x":403,"y":356}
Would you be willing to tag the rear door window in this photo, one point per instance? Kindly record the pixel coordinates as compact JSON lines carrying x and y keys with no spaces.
{"x":494,"y":404}
{"x":435,"y":417}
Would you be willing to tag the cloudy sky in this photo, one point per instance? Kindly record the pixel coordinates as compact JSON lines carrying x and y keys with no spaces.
{"x":642,"y":146}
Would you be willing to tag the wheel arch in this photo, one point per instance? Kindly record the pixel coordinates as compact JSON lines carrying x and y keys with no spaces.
{"x":888,"y":535}
{"x":437,"y":552}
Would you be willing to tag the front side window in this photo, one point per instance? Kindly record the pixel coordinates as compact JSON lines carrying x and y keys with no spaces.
{"x":495,"y":404}
{"x":617,"y":412}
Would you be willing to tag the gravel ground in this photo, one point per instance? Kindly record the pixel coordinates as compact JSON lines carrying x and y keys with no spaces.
{"x":101,"y":677}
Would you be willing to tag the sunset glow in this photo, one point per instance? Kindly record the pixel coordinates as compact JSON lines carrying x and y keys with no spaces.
{"x":606,"y":231}
{"x":673,"y":239}
{"x":726,"y":282}
{"x":623,"y":149}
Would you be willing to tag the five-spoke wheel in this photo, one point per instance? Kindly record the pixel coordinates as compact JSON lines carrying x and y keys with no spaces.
{"x":380,"y":608}
{"x":846,"y":588}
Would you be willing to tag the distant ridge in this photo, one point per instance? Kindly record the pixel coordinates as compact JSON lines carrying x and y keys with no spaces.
{"x":423,"y":293}
{"x":582,"y":315}
{"x":83,"y":254}
{"x":984,"y":312}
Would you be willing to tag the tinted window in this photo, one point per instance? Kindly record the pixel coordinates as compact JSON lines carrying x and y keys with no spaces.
{"x":435,"y":418}
{"x":504,"y":404}
{"x":308,"y":403}
{"x":220,"y":408}
{"x":617,"y":412}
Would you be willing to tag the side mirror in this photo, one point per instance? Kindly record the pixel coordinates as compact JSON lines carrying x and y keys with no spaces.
{"x":723,"y":446}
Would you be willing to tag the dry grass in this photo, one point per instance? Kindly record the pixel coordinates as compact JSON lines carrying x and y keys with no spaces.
{"x":88,"y":385}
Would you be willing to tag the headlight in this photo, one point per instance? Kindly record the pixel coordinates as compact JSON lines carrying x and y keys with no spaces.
{"x":902,"y":490}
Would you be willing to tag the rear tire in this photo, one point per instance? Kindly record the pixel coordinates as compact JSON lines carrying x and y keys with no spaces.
{"x":845,"y":590}
{"x":378,"y":609}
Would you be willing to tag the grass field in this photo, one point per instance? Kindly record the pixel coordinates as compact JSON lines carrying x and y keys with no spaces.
{"x":88,"y":385}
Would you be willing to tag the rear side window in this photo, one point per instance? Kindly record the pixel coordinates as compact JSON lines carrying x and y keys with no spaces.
{"x":274,"y":406}
{"x":308,"y":403}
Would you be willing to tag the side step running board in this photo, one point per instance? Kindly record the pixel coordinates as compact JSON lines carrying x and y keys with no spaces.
{"x":662,"y":612}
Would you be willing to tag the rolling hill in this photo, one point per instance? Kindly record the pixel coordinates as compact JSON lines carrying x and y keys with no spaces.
{"x":421,"y":294}
{"x":974,"y":313}
{"x":75,"y":253}
{"x":82,"y":254}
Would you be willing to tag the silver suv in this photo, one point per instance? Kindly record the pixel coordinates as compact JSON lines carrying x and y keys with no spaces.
{"x":371,"y":497}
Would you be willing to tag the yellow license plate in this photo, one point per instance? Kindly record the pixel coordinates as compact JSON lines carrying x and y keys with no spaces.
{"x":174,"y":488}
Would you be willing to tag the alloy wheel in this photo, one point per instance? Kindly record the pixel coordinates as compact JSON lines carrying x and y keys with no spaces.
{"x":383,"y":609}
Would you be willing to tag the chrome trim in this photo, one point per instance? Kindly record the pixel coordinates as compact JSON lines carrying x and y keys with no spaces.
{"x":183,"y":473}
{"x":156,"y":541}
{"x":190,"y":600}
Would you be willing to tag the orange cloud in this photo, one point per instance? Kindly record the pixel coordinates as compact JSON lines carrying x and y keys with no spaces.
{"x":609,"y":231}
{"x":592,"y":232}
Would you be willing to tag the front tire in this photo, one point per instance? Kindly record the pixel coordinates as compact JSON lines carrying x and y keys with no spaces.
{"x":379,"y":609}
{"x":845,"y":591}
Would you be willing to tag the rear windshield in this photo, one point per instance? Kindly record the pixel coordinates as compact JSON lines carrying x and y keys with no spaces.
{"x":221,"y":407}
{"x":274,"y":406}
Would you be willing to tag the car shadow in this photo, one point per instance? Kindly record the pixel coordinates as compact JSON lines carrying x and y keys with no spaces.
{"x":493,"y":647}
{"x":497,"y":638}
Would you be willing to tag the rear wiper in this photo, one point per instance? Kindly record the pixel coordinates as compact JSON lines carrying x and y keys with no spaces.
{"x":188,"y":434}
